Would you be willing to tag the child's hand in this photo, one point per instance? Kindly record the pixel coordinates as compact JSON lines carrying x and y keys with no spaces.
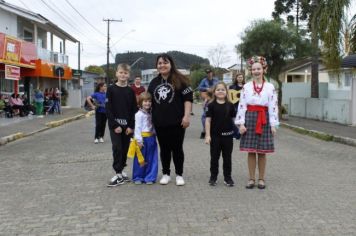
{"x":274,"y":131}
{"x":140,"y":145}
{"x":242,"y":129}
{"x":118,"y":130}
{"x":129,"y":131}
{"x":207,"y":139}
{"x":143,"y":164}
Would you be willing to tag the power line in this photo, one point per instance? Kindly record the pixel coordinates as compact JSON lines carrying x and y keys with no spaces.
{"x":69,"y":23}
{"x":85,"y":18}
{"x":24,"y":5}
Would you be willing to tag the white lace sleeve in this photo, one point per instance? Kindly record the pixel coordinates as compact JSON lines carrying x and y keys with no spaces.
{"x":273,"y":107}
{"x":240,"y":117}
{"x":138,"y":127}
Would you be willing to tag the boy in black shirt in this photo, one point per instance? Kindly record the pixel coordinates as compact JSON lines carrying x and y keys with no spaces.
{"x":219,"y":131}
{"x":121,"y":107}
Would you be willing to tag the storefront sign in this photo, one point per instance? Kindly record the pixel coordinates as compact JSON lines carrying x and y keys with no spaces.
{"x":12,"y":72}
{"x":12,"y":49}
{"x":17,"y":52}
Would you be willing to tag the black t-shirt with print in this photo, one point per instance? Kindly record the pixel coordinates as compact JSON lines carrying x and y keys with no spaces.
{"x":221,"y":118}
{"x":168,"y":103}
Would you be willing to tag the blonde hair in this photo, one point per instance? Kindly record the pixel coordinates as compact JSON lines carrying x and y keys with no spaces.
{"x":214,"y":89}
{"x":145,"y":96}
{"x":124,"y":67}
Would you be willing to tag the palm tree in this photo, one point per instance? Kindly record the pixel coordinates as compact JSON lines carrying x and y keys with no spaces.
{"x":332,"y":14}
{"x":326,"y":24}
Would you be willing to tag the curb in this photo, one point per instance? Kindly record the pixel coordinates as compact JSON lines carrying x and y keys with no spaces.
{"x":57,"y":123}
{"x":11,"y":137}
{"x":49,"y":125}
{"x":321,"y":135}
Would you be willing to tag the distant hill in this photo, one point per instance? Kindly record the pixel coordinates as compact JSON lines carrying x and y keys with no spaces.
{"x":182,"y":60}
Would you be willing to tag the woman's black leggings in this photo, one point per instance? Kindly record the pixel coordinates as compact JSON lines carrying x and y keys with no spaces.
{"x":170,"y":141}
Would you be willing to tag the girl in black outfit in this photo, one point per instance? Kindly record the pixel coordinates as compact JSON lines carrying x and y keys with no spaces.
{"x":171,"y":106}
{"x":219,"y":131}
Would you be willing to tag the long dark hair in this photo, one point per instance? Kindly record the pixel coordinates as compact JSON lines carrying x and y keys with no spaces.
{"x":235,"y":78}
{"x":178,"y":79}
{"x":98,"y":86}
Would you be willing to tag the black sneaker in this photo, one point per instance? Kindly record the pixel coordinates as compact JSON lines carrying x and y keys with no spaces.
{"x":212,"y":181}
{"x":229,"y":182}
{"x":125,"y":177}
{"x":202,"y":135}
{"x":115,"y":181}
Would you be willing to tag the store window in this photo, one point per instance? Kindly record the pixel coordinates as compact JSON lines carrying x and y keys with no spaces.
{"x":6,"y":85}
{"x":27,"y":35}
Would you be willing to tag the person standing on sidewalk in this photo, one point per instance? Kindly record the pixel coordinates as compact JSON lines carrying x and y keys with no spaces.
{"x":121,"y":107}
{"x":219,"y":131}
{"x":257,"y":119}
{"x":99,"y":97}
{"x":171,"y":106}
{"x":39,"y":100}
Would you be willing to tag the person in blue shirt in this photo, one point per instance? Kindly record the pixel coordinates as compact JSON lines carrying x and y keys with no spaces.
{"x":206,"y":85}
{"x":39,"y":99}
{"x":97,"y":102}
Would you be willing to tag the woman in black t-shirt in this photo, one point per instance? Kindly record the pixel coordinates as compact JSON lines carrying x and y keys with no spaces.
{"x":171,"y":106}
{"x":219,"y":132}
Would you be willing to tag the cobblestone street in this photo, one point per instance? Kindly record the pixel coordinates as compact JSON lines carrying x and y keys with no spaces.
{"x":54,"y":183}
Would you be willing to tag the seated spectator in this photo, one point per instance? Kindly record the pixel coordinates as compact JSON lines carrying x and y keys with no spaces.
{"x":27,"y":108}
{"x":2,"y":102}
{"x":16,"y":104}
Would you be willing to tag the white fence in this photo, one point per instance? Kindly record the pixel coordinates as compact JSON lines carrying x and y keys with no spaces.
{"x":332,"y":110}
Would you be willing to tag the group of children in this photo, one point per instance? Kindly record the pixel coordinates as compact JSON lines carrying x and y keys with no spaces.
{"x":132,"y":132}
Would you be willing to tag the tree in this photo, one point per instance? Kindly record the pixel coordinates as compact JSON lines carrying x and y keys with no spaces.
{"x":325,"y":22}
{"x":353,"y":35}
{"x":302,"y":9}
{"x":330,"y":17}
{"x":95,"y":69}
{"x":218,"y":55}
{"x":273,"y":40}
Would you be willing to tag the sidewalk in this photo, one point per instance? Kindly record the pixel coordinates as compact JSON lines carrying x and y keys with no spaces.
{"x":324,"y":130}
{"x":18,"y":127}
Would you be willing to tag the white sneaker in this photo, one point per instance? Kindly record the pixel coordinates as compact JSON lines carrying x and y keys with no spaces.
{"x":96,"y":141}
{"x":179,"y":181}
{"x":165,"y":179}
{"x":101,"y":140}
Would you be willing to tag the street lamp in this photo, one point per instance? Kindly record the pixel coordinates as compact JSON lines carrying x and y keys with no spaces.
{"x":134,"y":63}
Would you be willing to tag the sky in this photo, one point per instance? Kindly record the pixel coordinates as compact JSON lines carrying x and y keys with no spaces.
{"x":191,"y":26}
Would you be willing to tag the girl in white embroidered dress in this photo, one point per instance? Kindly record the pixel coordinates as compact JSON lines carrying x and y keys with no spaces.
{"x":257,"y":119}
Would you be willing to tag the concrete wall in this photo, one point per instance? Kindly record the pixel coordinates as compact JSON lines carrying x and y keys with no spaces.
{"x":301,"y":90}
{"x":314,"y":108}
{"x":8,"y":23}
{"x":331,"y":110}
{"x":337,"y":111}
{"x":353,"y":101}
{"x":340,"y":94}
{"x":74,"y":98}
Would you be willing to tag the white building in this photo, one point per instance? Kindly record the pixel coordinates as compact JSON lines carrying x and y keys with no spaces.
{"x":148,"y":74}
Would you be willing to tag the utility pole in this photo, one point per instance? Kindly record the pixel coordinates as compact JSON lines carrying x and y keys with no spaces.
{"x":108,"y":48}
{"x":315,"y":56}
